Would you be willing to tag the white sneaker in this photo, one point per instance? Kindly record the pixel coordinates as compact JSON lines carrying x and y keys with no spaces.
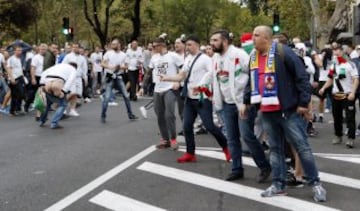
{"x":327,"y":110}
{"x":113,"y":104}
{"x":87,"y":100}
{"x":73,"y":113}
{"x":143,"y":112}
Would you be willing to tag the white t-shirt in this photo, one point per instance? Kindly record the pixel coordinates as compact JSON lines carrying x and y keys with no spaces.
{"x":63,"y":71}
{"x":324,"y":71}
{"x":38,"y":62}
{"x":202,"y":65}
{"x":95,"y":59}
{"x":346,"y":82}
{"x":310,"y":69}
{"x":167,"y":64}
{"x":114,"y":58}
{"x":134,"y":58}
{"x":81,"y":64}
{"x":15,"y":64}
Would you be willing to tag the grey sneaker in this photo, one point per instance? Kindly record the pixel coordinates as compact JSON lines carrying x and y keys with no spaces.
{"x":337,"y":140}
{"x":350,"y":143}
{"x":273,"y":191}
{"x":319,"y":193}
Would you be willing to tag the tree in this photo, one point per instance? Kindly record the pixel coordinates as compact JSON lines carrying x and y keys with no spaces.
{"x":17,"y":15}
{"x":326,"y":22}
{"x":100,"y":30}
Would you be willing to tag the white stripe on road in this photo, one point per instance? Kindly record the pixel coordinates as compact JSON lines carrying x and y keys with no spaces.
{"x":352,"y":158}
{"x":65,"y":202}
{"x":325,"y":177}
{"x":117,"y":202}
{"x":243,"y":191}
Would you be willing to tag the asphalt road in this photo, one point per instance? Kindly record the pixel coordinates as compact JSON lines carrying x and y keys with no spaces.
{"x":114,"y":166}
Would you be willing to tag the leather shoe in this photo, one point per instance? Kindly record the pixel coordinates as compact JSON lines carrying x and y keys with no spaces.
{"x":235,"y":176}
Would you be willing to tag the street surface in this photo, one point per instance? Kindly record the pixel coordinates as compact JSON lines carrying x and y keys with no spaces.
{"x":90,"y":166}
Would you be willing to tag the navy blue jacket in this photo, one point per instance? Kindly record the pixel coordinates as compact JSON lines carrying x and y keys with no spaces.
{"x":293,"y":84}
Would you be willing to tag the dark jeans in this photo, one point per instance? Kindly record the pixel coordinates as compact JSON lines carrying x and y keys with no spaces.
{"x":133,"y":78}
{"x":108,"y":92}
{"x":337,"y":110}
{"x":17,"y":94}
{"x":61,"y":102}
{"x":31,"y":93}
{"x":292,"y":128}
{"x":231,"y":121}
{"x":180,"y":104}
{"x":247,"y":133}
{"x":192,"y":108}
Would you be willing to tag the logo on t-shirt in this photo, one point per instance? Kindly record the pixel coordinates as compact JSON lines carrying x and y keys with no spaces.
{"x":162,"y":68}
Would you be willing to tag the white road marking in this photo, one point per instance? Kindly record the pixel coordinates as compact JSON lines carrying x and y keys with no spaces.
{"x":352,"y":158}
{"x":243,"y":191}
{"x":68,"y":200}
{"x":325,"y":177}
{"x":117,"y":202}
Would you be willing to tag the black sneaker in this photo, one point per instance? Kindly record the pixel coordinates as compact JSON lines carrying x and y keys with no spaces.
{"x":57,"y":127}
{"x":263,"y":176}
{"x":234,"y":176}
{"x":321,"y":119}
{"x":292,"y":182}
{"x":133,"y":117}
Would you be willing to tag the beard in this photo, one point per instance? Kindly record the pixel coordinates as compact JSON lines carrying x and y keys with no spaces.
{"x":219,"y":49}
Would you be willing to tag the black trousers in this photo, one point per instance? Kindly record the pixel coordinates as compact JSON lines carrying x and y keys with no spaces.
{"x":337,"y":110}
{"x":133,"y":78}
{"x":17,"y":94}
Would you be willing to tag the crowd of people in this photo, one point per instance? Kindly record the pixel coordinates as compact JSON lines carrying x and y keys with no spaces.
{"x":262,"y":94}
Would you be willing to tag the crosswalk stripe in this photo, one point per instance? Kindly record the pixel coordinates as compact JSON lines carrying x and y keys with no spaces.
{"x":68,"y":200}
{"x":325,"y":177}
{"x":243,"y":191}
{"x":117,"y":202}
{"x":341,"y":157}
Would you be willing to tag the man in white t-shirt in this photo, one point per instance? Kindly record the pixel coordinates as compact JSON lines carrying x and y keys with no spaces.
{"x":17,"y":83}
{"x":165,"y":93}
{"x":344,"y":78}
{"x":114,"y":65}
{"x":81,"y":73}
{"x":134,"y":60}
{"x":97,"y":70}
{"x":196,"y":65}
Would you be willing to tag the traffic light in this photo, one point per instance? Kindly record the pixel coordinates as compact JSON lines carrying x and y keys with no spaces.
{"x":66,"y":25}
{"x":276,"y":23}
{"x":70,"y":35}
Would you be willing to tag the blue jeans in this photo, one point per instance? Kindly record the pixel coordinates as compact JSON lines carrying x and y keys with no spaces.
{"x":192,"y":108}
{"x":231,"y":121}
{"x":291,"y":128}
{"x":108,"y":94}
{"x":254,"y":145}
{"x":61,"y":102}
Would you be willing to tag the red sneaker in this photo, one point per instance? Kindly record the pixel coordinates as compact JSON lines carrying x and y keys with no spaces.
{"x":227,"y":154}
{"x":187,"y":157}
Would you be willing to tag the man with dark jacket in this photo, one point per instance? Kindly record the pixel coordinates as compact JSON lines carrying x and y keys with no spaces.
{"x":281,"y":89}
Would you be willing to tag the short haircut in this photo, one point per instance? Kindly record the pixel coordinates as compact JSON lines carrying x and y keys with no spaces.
{"x":223,"y":33}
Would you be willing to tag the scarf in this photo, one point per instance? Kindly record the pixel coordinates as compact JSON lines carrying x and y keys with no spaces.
{"x":269,"y":94}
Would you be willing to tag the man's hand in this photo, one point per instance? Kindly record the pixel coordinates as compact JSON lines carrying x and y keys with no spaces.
{"x":315,"y":85}
{"x":12,"y":81}
{"x":243,"y":111}
{"x":321,"y":91}
{"x":176,"y":86}
{"x":162,"y":77}
{"x":196,"y":90}
{"x":351,"y":96}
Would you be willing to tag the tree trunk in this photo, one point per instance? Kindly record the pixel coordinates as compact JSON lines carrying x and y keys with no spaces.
{"x":136,"y":22}
{"x":325,"y":26}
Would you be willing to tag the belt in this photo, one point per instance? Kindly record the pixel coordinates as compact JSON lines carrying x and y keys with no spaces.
{"x":55,"y":76}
